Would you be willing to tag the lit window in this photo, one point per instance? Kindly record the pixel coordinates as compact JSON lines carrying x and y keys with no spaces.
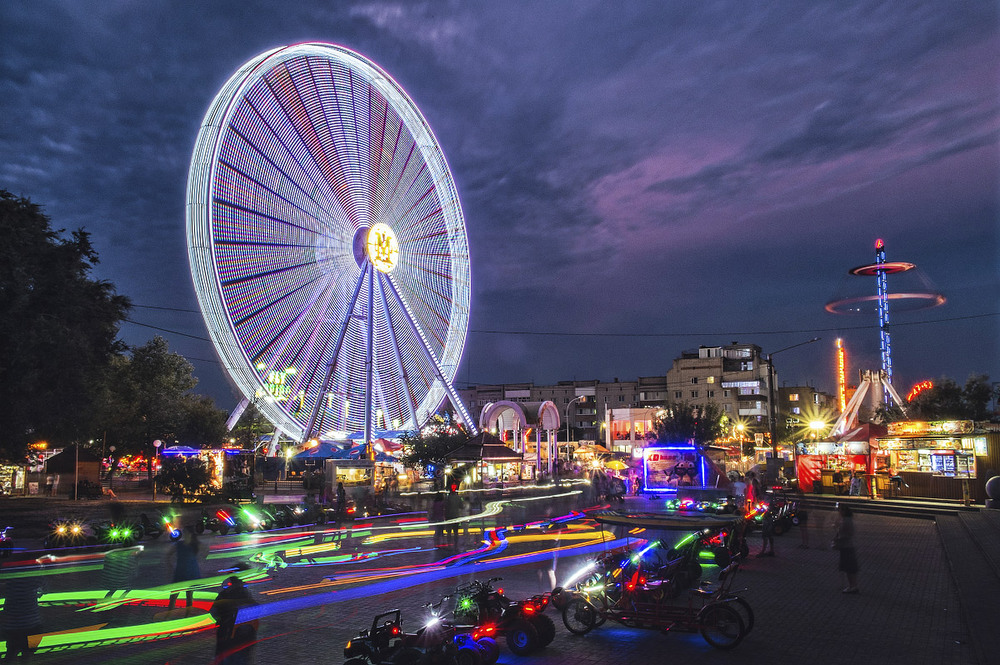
{"x":710,"y":379}
{"x":793,"y":397}
{"x":796,"y":410}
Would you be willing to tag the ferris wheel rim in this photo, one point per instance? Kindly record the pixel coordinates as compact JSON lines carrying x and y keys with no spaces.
{"x":202,"y":177}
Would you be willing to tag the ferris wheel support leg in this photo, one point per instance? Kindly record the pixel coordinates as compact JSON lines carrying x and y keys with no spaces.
{"x":450,"y":389}
{"x":369,"y":398}
{"x":311,"y":425}
{"x":410,"y":406}
{"x":237,"y":413}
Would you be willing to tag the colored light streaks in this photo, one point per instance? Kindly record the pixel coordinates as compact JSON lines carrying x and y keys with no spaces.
{"x":574,"y":537}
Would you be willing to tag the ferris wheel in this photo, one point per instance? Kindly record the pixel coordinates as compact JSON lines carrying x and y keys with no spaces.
{"x":327,"y":245}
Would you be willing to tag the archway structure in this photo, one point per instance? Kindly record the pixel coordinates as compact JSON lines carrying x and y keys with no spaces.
{"x":525,"y":419}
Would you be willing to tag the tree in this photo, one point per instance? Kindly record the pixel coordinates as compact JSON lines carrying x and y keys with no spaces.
{"x":680,"y":421}
{"x":946,"y":400}
{"x":431,"y":446}
{"x":58,"y":329}
{"x":146,"y":397}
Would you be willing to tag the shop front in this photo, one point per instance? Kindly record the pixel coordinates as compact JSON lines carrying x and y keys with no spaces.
{"x":939,"y":459}
{"x":827,"y":467}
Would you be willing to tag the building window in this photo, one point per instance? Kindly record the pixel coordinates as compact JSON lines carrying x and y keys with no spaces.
{"x":677,"y":394}
{"x":711,"y":394}
{"x":694,"y":379}
{"x":796,"y":410}
{"x":746,"y":366}
{"x":565,"y":400}
{"x":710,"y":379}
{"x":621,"y":398}
{"x":725,"y":393}
{"x":793,"y":397}
{"x":816,"y":398}
{"x":727,"y":408}
{"x":694,"y":393}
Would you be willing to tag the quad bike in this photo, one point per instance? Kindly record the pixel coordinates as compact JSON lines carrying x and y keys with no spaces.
{"x":385,"y":643}
{"x":522,"y":623}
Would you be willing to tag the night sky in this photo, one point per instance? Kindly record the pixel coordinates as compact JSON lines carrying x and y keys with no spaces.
{"x":686,"y":173}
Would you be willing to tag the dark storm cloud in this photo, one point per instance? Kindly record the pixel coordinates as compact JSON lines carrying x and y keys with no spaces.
{"x":701,"y":167}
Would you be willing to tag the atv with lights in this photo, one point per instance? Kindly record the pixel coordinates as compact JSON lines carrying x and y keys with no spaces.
{"x":523,"y":623}
{"x":436,"y":643}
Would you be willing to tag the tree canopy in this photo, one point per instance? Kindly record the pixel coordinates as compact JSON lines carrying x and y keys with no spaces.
{"x":432,"y":445}
{"x":147,"y":396}
{"x":58,"y":329}
{"x":680,"y":421}
{"x":947,"y":400}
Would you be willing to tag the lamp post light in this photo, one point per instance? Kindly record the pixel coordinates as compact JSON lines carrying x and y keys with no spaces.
{"x":566,"y":411}
{"x":772,"y":408}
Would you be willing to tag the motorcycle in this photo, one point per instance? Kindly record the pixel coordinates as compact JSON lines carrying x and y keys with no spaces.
{"x":154,"y":528}
{"x":6,"y":542}
{"x":68,"y":533}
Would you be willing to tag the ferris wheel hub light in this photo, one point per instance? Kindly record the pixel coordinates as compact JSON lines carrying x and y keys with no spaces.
{"x":382,"y":247}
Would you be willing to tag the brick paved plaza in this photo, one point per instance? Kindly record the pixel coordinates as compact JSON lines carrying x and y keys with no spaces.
{"x":908,"y":611}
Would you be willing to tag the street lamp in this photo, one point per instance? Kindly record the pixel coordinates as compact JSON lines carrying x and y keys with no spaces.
{"x":566,"y":410}
{"x":772,"y":408}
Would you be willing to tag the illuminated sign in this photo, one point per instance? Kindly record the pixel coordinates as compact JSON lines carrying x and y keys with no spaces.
{"x":383,"y":248}
{"x":918,"y":388}
{"x":920,"y":428}
{"x":741,"y":384}
{"x":841,"y":375}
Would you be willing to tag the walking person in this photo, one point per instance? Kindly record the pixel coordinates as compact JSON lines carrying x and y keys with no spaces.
{"x":452,"y":511}
{"x":767,"y":533}
{"x":437,"y":518}
{"x":843,"y":541}
{"x":341,"y":503}
{"x":185,"y":555}
{"x":20,"y":617}
{"x":233,"y":641}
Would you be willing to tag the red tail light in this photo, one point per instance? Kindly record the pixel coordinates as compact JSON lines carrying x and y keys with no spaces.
{"x":529,"y":608}
{"x":395,"y":630}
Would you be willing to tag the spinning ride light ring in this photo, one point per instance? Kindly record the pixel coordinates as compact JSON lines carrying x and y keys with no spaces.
{"x":306,"y":152}
{"x":905,"y":302}
{"x":888,"y":268}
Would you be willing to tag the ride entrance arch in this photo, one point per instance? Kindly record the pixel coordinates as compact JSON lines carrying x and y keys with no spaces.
{"x":528,"y":427}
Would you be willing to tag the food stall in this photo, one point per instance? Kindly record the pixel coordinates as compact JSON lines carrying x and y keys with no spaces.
{"x":826,"y":467}
{"x":939,"y":459}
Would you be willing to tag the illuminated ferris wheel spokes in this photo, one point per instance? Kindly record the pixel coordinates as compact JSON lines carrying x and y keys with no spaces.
{"x":314,"y":176}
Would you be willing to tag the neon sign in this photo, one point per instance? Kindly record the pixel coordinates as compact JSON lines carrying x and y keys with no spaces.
{"x":919,"y":388}
{"x":841,"y":375}
{"x":383,"y":248}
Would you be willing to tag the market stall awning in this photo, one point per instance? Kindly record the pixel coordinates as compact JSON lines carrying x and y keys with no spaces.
{"x":320,"y":451}
{"x":866,"y":432}
{"x":594,"y":449}
{"x":484,"y":447}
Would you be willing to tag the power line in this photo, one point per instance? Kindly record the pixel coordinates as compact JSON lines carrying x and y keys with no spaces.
{"x":551,"y":333}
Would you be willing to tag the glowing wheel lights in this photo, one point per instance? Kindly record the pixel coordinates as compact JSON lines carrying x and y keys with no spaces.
{"x":327,"y":244}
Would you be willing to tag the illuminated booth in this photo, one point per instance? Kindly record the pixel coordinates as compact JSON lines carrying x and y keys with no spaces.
{"x":668,"y":468}
{"x":939,"y":459}
{"x":826,"y":467}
